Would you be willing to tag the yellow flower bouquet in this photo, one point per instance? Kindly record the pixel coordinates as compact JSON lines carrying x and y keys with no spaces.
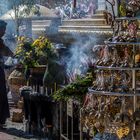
{"x":31,"y":53}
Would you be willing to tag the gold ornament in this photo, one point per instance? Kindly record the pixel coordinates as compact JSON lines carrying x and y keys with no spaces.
{"x":137,"y":58}
{"x":122,"y":131}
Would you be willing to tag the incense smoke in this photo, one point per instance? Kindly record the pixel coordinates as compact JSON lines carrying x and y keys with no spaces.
{"x":80,"y":57}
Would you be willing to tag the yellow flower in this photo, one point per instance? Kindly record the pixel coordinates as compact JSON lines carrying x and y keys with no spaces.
{"x":23,"y":38}
{"x":27,"y":53}
{"x":21,"y":45}
{"x":40,"y":37}
{"x":19,"y":38}
{"x":36,"y":42}
{"x":18,"y":52}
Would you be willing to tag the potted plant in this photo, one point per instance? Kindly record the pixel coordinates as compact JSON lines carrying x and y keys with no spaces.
{"x":33,"y":54}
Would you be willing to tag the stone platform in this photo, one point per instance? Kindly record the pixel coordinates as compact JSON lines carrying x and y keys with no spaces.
{"x":96,"y":25}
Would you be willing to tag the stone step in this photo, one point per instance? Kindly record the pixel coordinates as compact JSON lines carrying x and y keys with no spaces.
{"x":85,"y":28}
{"x":84,"y":22}
{"x":41,"y":22}
{"x":98,"y":16}
{"x":100,"y":11}
{"x":38,"y":29}
{"x":37,"y":26}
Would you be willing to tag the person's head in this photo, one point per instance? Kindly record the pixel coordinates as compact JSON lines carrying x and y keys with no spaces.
{"x":2,"y":28}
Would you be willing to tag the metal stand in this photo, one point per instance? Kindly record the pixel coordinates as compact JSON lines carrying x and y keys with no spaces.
{"x":67,"y":129}
{"x":134,"y":88}
{"x":134,"y":92}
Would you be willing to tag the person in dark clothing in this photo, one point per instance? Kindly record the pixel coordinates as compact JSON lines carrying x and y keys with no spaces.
{"x":4,"y":51}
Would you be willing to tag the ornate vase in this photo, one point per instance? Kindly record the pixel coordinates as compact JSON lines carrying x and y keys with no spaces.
{"x":15,"y":81}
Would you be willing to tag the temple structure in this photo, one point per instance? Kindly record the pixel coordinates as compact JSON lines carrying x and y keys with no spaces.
{"x":96,"y":25}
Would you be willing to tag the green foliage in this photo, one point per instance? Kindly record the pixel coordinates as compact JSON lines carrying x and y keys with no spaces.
{"x":76,"y":90}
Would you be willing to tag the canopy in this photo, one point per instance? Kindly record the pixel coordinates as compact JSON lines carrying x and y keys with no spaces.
{"x":38,"y":10}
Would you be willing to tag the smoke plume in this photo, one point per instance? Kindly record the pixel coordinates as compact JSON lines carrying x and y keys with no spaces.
{"x":80,"y":57}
